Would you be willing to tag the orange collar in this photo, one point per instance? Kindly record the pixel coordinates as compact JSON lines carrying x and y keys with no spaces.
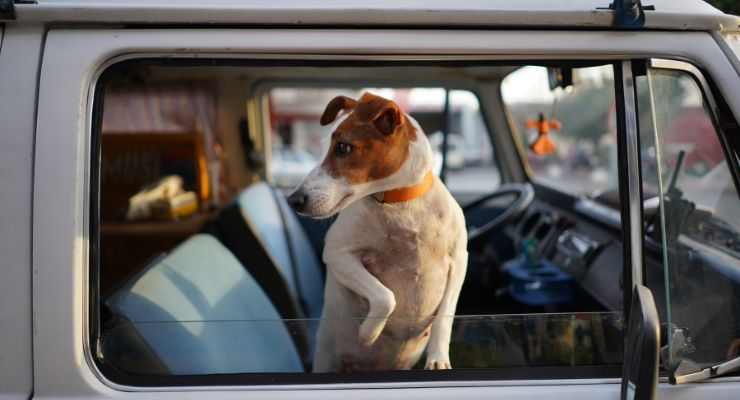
{"x":409,"y":192}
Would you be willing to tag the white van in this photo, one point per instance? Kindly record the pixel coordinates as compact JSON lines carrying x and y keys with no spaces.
{"x":607,"y":265}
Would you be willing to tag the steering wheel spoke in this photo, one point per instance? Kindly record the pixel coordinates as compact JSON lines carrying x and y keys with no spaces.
{"x":478,"y":235}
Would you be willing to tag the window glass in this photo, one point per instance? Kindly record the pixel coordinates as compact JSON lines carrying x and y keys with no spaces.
{"x":692,"y":218}
{"x":206,"y":275}
{"x":202,"y":347}
{"x":579,"y":119}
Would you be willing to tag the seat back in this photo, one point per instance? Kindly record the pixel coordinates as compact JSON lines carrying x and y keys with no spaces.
{"x":278,"y":227}
{"x":262,"y":213}
{"x":200,"y":312}
{"x":267,"y":213}
{"x":307,"y":268}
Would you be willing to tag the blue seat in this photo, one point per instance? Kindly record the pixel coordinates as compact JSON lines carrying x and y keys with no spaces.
{"x":278,"y":226}
{"x":200,"y":312}
{"x":268,"y":213}
{"x":262,"y":214}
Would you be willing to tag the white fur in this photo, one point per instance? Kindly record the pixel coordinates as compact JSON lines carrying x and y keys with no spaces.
{"x":328,"y":195}
{"x":416,"y":248}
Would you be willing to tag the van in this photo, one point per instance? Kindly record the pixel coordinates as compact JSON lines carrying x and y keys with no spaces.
{"x":147,"y":149}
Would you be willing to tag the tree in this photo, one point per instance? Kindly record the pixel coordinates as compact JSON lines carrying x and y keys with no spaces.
{"x":727,"y":6}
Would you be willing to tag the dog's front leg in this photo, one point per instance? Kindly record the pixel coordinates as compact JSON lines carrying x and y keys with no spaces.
{"x":348,"y":270}
{"x":438,"y":349}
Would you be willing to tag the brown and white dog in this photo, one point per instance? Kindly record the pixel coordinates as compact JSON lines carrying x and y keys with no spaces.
{"x":397,"y":248}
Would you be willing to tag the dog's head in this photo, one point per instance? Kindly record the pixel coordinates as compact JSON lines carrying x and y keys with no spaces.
{"x":374,"y":147}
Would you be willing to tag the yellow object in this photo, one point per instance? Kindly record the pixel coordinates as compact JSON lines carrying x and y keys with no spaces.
{"x":183,"y":205}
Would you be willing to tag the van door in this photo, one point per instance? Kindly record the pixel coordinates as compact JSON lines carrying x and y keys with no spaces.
{"x":64,"y":258}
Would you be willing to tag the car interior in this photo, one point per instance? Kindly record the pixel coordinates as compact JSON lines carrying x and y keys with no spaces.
{"x":201,"y":268}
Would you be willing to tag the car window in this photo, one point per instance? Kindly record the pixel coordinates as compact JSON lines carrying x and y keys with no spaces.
{"x":204,"y":274}
{"x":469,"y":163}
{"x":578,"y":152}
{"x":692,"y":217}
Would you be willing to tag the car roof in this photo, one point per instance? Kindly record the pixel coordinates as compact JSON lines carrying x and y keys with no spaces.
{"x":570,"y":14}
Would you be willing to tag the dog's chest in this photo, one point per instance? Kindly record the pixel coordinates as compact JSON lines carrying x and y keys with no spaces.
{"x":408,"y":251}
{"x":408,"y":232}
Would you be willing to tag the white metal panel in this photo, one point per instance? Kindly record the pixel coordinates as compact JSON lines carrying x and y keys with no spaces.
{"x":668,"y":14}
{"x":61,"y":177}
{"x":19,"y":58}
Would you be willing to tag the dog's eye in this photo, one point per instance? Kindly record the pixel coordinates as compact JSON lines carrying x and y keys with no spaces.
{"x":342,"y":149}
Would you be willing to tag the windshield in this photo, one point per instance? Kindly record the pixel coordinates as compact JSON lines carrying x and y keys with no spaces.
{"x":580,"y":118}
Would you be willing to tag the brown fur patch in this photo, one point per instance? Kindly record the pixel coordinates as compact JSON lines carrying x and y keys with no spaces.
{"x":379,"y":134}
{"x":339,"y":103}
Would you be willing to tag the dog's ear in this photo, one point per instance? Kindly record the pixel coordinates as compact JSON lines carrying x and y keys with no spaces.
{"x":338,"y":103}
{"x":388,"y":120}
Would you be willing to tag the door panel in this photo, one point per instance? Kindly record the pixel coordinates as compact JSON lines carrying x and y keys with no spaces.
{"x":19,"y":57}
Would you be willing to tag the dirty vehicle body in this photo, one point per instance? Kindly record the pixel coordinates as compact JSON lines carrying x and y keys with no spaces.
{"x":94,"y":306}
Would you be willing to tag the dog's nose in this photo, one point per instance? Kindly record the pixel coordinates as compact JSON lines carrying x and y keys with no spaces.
{"x":297,"y":199}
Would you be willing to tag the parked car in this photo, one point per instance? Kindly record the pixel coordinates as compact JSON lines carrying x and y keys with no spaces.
{"x":618,"y":276}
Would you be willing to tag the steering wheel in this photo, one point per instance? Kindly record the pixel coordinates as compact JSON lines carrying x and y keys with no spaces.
{"x":477,"y":235}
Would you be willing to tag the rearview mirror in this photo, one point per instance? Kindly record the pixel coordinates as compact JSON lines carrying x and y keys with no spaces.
{"x":640,"y":371}
{"x":561,"y":77}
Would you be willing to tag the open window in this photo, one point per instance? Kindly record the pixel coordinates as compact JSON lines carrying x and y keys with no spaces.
{"x":204,"y":275}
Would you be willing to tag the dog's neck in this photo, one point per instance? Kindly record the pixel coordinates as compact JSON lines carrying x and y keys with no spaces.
{"x":406,"y":193}
{"x":414,"y":178}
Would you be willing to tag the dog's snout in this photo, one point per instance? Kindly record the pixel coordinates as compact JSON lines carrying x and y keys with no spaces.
{"x":297,"y":199}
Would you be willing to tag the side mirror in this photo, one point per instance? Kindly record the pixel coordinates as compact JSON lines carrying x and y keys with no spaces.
{"x":640,"y":371}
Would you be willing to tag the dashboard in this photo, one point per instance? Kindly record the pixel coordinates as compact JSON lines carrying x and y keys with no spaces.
{"x":584,"y":242}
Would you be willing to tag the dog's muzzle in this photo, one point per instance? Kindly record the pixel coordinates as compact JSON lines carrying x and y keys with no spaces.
{"x":297,"y":200}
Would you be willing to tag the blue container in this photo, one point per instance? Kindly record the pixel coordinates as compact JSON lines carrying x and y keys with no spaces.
{"x":541,"y":284}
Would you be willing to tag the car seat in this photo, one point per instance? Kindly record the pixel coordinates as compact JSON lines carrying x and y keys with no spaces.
{"x":200,"y":312}
{"x":266,"y":236}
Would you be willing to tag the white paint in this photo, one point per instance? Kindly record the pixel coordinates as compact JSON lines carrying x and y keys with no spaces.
{"x":19,"y":58}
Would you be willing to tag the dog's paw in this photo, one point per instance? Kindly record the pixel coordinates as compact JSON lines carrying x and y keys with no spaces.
{"x":380,"y":309}
{"x":441,"y":362}
{"x":370,"y":330}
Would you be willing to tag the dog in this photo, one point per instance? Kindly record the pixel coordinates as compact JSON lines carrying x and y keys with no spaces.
{"x":397,"y":249}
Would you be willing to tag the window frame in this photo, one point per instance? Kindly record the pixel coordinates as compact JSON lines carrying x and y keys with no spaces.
{"x":727,"y":132}
{"x":259,"y":107}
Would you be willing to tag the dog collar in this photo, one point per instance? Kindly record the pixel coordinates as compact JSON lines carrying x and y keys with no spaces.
{"x":407,"y":193}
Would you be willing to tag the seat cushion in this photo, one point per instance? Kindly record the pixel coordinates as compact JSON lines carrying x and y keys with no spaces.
{"x":200,"y":312}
